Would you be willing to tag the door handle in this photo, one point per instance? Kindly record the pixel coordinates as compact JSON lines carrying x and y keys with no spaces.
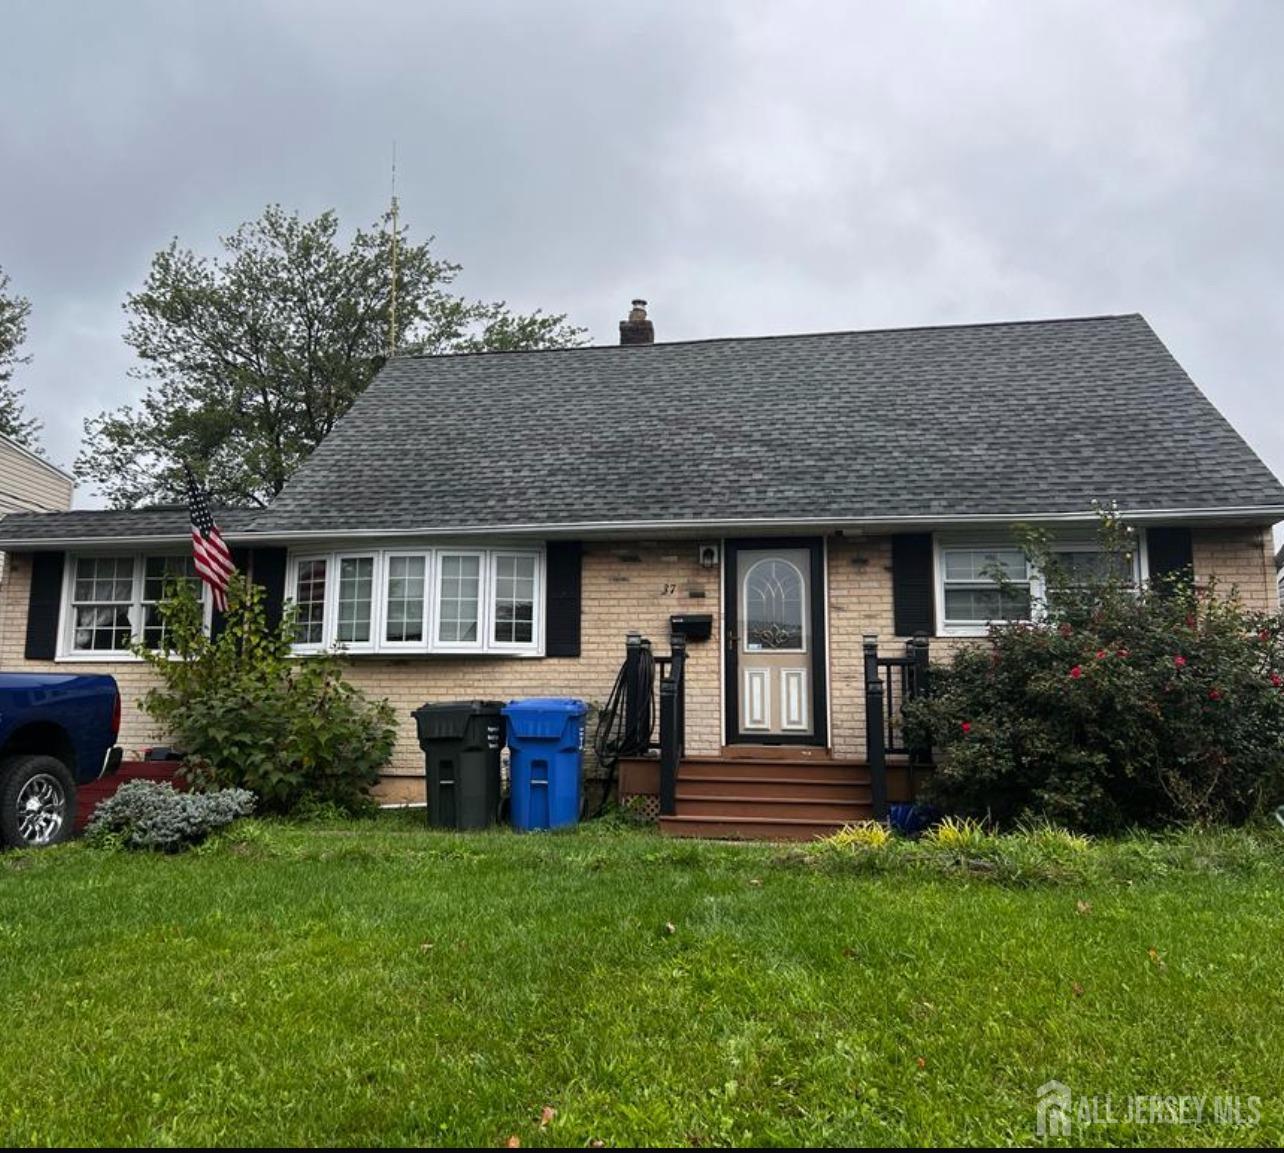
{"x":731,"y":639}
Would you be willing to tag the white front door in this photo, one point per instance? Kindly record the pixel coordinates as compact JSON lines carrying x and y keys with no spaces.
{"x":774,"y":643}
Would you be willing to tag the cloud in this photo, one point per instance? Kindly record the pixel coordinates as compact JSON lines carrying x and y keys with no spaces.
{"x":749,"y":167}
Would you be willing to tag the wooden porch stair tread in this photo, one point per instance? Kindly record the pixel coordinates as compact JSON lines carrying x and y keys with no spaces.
{"x":763,"y":797}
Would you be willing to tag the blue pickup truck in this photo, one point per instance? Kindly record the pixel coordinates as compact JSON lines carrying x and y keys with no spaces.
{"x":56,"y":732}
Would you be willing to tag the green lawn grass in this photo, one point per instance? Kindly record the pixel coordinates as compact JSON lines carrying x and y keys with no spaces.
{"x":374,"y":983}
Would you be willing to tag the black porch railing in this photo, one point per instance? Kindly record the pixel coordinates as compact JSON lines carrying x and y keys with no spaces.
{"x":673,"y":721}
{"x":889,"y":683}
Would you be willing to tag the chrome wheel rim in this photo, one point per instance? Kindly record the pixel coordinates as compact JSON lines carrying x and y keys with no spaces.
{"x":42,"y":808}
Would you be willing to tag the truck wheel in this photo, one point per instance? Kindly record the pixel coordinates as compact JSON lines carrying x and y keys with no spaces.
{"x":37,"y":802}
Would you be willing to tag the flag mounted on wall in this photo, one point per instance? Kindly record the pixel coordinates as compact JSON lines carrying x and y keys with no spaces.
{"x":213,"y":557}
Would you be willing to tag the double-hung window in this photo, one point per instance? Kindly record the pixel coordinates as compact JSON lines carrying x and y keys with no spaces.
{"x":424,"y":600}
{"x":114,"y":601}
{"x":980,"y":585}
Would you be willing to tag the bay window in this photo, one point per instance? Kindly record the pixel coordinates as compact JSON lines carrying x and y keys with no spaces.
{"x":430,"y":600}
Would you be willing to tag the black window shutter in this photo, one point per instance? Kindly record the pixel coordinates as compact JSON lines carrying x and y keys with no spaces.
{"x":268,"y":570}
{"x":913,"y":586}
{"x":218,"y":622}
{"x":44,"y":605}
{"x":563,"y":585}
{"x":1170,"y":554}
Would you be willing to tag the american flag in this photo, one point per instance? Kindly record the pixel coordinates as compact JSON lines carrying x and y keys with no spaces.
{"x":213,"y":557}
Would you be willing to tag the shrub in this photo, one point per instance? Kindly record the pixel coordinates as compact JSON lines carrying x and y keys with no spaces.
{"x":863,"y":834}
{"x":154,"y":815}
{"x":249,"y":714}
{"x":1121,"y":707}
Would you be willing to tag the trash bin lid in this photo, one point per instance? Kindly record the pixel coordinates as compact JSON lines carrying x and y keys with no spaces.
{"x":474,"y":707}
{"x":567,"y":706}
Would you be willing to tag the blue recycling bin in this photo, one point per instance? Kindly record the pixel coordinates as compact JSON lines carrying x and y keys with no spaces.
{"x":545,"y":748}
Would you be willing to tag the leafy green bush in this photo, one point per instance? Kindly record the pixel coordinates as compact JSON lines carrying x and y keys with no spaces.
{"x":154,"y":815}
{"x":1121,"y":707}
{"x":249,"y":714}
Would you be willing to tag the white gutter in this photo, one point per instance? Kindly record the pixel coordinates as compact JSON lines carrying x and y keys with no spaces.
{"x":743,"y":525}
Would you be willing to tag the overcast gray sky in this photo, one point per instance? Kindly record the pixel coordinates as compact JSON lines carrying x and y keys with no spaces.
{"x":748,"y":167}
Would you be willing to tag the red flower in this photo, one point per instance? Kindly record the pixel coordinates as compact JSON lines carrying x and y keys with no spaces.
{"x":1214,"y":694}
{"x":1101,"y":654}
{"x":1122,"y":654}
{"x":1076,"y":672}
{"x":1277,"y":680}
{"x":966,"y":726}
{"x":1179,"y":661}
{"x":1264,"y":635}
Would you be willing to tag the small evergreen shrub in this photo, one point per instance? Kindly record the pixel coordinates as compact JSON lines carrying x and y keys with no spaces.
{"x":252,"y":715}
{"x":154,"y":815}
{"x":1121,"y":707}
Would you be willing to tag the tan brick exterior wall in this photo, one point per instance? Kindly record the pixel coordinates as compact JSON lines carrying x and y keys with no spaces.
{"x":1240,"y":557}
{"x":636,"y":586}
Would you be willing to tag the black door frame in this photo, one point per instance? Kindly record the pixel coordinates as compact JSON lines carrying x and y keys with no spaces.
{"x":819,"y":665}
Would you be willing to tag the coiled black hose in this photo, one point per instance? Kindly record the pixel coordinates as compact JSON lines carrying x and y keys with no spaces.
{"x":614,"y":738}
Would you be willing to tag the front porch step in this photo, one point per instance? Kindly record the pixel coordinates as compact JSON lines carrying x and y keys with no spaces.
{"x":797,"y":807}
{"x":748,"y":828}
{"x":801,"y":786}
{"x":734,"y":768}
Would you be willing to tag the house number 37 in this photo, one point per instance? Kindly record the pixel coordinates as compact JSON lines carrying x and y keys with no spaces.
{"x":669,"y":590}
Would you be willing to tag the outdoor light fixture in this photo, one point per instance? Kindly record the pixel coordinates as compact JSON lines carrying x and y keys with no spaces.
{"x":708,"y":556}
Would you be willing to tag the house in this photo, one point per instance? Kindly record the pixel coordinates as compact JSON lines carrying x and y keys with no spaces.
{"x":494,"y":525}
{"x":29,"y":483}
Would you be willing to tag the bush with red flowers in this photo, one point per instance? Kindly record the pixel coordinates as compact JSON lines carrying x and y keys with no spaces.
{"x":1120,"y":707}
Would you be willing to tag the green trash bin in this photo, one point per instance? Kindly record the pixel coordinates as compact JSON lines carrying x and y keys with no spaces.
{"x":461,"y":741}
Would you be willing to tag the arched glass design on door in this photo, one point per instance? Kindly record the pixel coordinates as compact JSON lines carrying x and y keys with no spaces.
{"x":774,"y":607}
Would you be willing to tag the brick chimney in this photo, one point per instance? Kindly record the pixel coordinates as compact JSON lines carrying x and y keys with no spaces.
{"x":637,"y":329}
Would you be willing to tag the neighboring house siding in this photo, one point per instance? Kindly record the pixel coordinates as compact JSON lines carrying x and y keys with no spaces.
{"x":624,"y":589}
{"x":28,"y":484}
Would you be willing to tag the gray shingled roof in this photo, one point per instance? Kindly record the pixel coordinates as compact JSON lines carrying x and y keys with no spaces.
{"x":115,"y":524}
{"x":954,"y":422}
{"x":1020,"y":418}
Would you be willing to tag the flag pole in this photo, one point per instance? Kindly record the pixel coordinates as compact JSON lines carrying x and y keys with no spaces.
{"x":392,"y":308}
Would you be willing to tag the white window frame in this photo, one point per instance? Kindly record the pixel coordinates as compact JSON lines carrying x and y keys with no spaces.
{"x":376,"y":599}
{"x":1038,"y":585}
{"x":537,"y":595}
{"x":66,"y":650}
{"x":381,"y":608}
{"x":487,"y":560}
{"x":436,"y":644}
{"x":291,"y":588}
{"x":940,"y":548}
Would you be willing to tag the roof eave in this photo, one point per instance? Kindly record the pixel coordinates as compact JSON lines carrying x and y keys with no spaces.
{"x":1246,"y":514}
